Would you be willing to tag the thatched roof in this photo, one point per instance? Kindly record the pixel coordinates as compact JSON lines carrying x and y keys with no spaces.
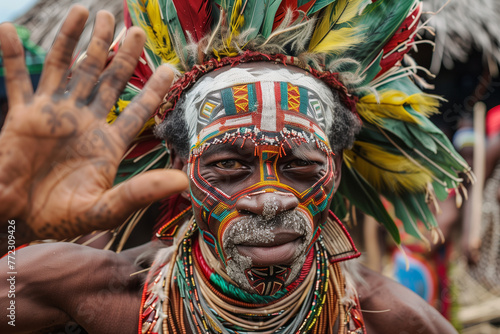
{"x":45,"y":18}
{"x":461,"y":26}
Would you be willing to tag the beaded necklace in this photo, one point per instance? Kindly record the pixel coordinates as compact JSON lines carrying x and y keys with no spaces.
{"x":297,"y":312}
{"x":211,"y":270}
{"x":183,"y":294}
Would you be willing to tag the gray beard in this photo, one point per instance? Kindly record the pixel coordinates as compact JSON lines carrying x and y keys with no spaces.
{"x":258,"y":229}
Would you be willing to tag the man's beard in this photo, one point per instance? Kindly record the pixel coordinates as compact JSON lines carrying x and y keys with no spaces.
{"x":258,"y":230}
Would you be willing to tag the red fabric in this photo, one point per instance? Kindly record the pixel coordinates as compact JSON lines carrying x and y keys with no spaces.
{"x":493,"y":122}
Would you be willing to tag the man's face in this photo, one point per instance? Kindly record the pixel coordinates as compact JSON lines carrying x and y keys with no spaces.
{"x":260,"y":191}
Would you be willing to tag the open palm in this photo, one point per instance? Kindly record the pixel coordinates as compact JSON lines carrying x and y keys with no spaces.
{"x":58,"y":156}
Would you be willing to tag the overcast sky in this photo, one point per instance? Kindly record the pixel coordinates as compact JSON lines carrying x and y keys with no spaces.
{"x":11,"y":9}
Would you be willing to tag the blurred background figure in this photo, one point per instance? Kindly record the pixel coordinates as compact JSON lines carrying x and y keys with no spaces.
{"x":465,"y":51}
{"x":466,"y":56}
{"x":478,"y":275}
{"x":485,"y":267}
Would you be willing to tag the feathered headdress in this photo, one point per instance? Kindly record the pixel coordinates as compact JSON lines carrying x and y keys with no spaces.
{"x":357,"y":47}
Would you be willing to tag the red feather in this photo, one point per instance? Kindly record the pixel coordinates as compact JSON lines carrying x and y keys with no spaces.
{"x":142,"y":73}
{"x":126,"y":15}
{"x":195,"y":16}
{"x":290,"y":4}
{"x":404,"y":32}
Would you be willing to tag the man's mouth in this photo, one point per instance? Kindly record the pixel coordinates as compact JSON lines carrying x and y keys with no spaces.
{"x":282,"y":250}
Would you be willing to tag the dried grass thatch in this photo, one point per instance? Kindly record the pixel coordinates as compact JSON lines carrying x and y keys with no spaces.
{"x":45,"y":18}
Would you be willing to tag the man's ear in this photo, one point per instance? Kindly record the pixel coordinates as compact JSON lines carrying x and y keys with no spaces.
{"x":337,"y":174}
{"x":178,"y":162}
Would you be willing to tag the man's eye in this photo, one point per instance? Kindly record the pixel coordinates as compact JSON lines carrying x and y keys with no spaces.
{"x":299,"y":163}
{"x":229,"y":164}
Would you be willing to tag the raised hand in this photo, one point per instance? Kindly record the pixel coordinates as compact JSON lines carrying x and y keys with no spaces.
{"x":58,"y":156}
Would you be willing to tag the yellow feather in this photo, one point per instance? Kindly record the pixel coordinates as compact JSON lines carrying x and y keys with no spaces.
{"x":118,"y":109}
{"x":236,"y":22}
{"x":338,"y":41}
{"x":341,"y":11}
{"x":149,"y":124}
{"x":112,"y":115}
{"x":425,"y":104}
{"x":381,"y":169}
{"x":158,"y":38}
{"x":392,"y":105}
{"x":237,"y":18}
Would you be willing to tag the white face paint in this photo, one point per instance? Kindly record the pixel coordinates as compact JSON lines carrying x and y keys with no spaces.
{"x":261,"y":230}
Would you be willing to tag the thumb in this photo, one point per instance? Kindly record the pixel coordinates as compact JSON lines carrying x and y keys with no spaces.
{"x":140,"y":191}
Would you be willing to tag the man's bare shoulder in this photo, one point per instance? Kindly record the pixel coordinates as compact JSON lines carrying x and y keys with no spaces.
{"x":388,"y":307}
{"x":67,"y":283}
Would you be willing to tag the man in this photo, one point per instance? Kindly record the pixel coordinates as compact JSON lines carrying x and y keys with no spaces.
{"x":260,"y":254}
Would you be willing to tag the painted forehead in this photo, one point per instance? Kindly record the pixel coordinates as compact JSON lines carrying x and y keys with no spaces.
{"x":268,"y":100}
{"x":275,"y":113}
{"x":269,"y":105}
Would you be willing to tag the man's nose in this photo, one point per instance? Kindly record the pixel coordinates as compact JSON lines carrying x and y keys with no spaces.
{"x":267,"y":204}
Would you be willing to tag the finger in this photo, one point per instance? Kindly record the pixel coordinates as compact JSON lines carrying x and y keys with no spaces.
{"x":17,"y":79}
{"x":115,"y":77}
{"x":132,"y":119}
{"x":87,"y":72}
{"x":140,"y":191}
{"x":55,"y":69}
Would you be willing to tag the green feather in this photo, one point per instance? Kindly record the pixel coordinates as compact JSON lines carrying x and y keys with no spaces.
{"x":440,"y":191}
{"x":362,"y":195}
{"x":411,"y":209}
{"x":319,"y":5}
{"x":379,"y":21}
{"x":268,"y":22}
{"x":302,"y":2}
{"x":338,"y":206}
{"x":215,"y":13}
{"x":420,"y":209}
{"x":174,"y":27}
{"x":254,"y":16}
{"x":136,"y":19}
{"x":372,"y":71}
{"x":422,"y":137}
{"x":406,"y":141}
{"x":335,"y":32}
{"x":227,"y":6}
{"x":406,"y":217}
